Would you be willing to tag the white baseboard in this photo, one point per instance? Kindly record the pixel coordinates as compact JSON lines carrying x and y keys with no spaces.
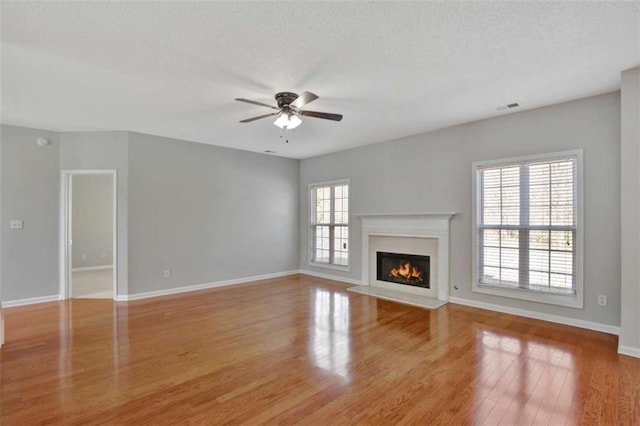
{"x":92,"y":268}
{"x":596,"y":326}
{"x":330,"y":277}
{"x":30,"y":301}
{"x":628,"y":350}
{"x":196,"y":287}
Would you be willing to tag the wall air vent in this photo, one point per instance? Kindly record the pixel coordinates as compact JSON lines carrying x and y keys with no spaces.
{"x":508,"y":106}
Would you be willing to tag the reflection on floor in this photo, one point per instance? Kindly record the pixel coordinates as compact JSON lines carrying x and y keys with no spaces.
{"x":96,"y":284}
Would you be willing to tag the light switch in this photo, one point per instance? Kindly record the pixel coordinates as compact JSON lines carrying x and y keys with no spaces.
{"x":16,"y":224}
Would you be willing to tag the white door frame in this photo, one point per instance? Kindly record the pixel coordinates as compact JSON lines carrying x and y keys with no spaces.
{"x":66,"y":194}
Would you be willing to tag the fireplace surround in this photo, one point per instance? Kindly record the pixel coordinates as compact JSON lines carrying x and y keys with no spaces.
{"x":425,"y":234}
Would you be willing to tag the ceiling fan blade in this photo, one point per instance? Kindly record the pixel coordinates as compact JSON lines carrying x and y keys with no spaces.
{"x":249,"y":120}
{"x":255,"y":103}
{"x":325,"y":115}
{"x":304,"y":99}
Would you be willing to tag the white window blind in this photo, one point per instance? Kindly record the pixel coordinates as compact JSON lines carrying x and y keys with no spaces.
{"x":527,"y":215}
{"x":330,"y":223}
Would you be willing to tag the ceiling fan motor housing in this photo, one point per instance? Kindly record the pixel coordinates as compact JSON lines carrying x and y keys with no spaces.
{"x":285,"y":99}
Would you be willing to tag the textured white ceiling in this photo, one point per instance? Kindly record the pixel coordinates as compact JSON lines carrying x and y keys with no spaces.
{"x":392,"y":68}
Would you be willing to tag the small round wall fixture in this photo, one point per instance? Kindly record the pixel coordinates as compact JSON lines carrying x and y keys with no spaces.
{"x":42,"y":142}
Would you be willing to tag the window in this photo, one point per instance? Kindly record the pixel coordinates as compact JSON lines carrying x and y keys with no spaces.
{"x":528,"y":228}
{"x":330,"y":224}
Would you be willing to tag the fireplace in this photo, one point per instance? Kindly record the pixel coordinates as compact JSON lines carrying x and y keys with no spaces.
{"x":424,"y":234}
{"x":407,"y":269}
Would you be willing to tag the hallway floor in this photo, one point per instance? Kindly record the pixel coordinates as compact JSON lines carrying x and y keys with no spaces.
{"x":97,"y":284}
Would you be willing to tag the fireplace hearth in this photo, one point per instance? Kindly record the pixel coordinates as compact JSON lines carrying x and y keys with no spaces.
{"x":407,"y":269}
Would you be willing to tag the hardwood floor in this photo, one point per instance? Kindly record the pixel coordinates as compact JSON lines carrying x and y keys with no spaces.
{"x":303,"y":349}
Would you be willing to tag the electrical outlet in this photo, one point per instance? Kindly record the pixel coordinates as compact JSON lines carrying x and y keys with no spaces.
{"x":84,"y":256}
{"x":602,"y":300}
{"x":167,"y":273}
{"x":16,"y":224}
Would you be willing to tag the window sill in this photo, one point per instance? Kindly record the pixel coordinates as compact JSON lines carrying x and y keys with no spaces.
{"x":570,"y":301}
{"x":329,"y":266}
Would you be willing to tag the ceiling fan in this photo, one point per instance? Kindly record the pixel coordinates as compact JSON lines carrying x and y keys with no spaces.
{"x":289,"y":110}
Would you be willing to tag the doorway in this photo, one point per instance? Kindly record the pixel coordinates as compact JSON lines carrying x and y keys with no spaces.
{"x":89,"y":238}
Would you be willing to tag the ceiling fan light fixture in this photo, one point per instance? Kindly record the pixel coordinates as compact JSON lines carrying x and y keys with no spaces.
{"x":288,"y":120}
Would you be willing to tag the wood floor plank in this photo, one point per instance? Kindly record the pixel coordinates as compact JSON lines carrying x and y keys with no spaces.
{"x":303,"y":350}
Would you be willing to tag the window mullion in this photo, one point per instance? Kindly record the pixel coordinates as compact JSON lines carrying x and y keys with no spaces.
{"x":574,"y":227}
{"x":480,"y":219}
{"x":550,"y":223}
{"x":500,"y":231}
{"x":523,"y":233}
{"x":332,"y":228}
{"x":314,"y":224}
{"x":573,"y":260}
{"x":314,"y":220}
{"x":314,"y":242}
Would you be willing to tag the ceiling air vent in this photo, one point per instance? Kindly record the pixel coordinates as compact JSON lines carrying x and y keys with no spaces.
{"x":508,"y":106}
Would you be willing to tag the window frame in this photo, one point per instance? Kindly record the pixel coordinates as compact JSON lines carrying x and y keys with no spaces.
{"x":311,"y":224}
{"x":569,"y":300}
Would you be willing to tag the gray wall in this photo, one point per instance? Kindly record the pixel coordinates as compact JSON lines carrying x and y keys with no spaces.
{"x":92,"y":221}
{"x":431,"y":172}
{"x":630,"y":127}
{"x":208,"y":213}
{"x":1,"y":227}
{"x":104,"y":151}
{"x":29,"y":191}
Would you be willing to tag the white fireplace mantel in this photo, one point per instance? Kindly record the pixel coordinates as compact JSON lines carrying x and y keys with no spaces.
{"x":412,"y":225}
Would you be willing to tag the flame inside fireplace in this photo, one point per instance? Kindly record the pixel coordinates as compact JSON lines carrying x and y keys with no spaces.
{"x":408,"y":272}
{"x":403,"y":268}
